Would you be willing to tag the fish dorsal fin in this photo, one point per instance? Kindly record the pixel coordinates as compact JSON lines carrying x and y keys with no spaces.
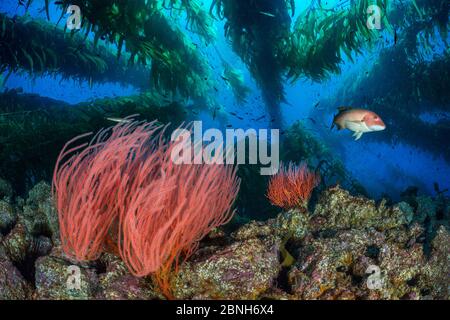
{"x":342,"y":109}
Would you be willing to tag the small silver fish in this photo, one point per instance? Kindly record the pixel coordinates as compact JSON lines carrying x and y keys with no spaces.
{"x":118,"y":120}
{"x":267,"y":14}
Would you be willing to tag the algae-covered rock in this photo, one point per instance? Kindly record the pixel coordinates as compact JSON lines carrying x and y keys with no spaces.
{"x":242,"y":270}
{"x":370,"y":264}
{"x":127,"y":287}
{"x":290,"y":224}
{"x":58,"y":278}
{"x":438,"y":267}
{"x":253,"y":229}
{"x":39,"y":213}
{"x":12,"y":284}
{"x":17,"y":243}
{"x":325,"y":267}
{"x":116,"y":282}
{"x":7,"y":217}
{"x":333,"y":253}
{"x":113,"y":267}
{"x":338,"y":210}
{"x":426,"y":208}
{"x":41,"y":246}
{"x":433,"y":213}
{"x":6,"y":190}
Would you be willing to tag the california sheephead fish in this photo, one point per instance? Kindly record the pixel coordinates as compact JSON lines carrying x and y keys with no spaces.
{"x":359,"y":121}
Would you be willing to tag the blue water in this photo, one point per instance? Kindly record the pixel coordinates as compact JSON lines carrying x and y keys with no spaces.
{"x":381,"y":168}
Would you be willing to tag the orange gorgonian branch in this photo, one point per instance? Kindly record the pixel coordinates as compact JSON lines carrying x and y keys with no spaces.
{"x":292,"y":186}
{"x":123,"y":186}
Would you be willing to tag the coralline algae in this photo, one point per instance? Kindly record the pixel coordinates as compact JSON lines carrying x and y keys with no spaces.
{"x":347,"y":248}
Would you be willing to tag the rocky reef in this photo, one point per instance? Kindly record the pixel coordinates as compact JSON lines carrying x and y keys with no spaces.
{"x":347,"y":247}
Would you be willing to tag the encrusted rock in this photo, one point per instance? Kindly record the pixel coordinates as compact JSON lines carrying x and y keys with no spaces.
{"x":253,"y":229}
{"x":40,"y":216}
{"x":338,"y":210}
{"x":432,"y":213}
{"x":41,"y":246}
{"x":6,"y":190}
{"x":17,"y":243}
{"x":7,"y":217}
{"x":402,"y":270}
{"x":12,"y":284}
{"x":438,"y":267}
{"x":349,"y":248}
{"x":426,"y":208}
{"x":369,"y":264}
{"x":243,"y":270}
{"x":127,"y":287}
{"x":292,"y":224}
{"x":277,"y":294}
{"x":114,"y":268}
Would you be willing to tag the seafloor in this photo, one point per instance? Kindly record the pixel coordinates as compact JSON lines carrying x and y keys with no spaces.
{"x":346,"y":248}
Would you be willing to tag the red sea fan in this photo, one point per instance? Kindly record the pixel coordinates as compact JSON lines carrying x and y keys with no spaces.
{"x":124,"y":186}
{"x":291,"y":187}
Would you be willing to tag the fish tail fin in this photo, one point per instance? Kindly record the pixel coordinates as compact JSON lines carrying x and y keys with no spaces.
{"x":334,"y":124}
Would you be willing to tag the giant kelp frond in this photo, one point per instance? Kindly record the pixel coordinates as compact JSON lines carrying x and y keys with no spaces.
{"x":421,"y":68}
{"x":52,"y":51}
{"x":260,"y":32}
{"x":219,"y":6}
{"x":321,"y":37}
{"x":435,"y":12}
{"x":291,"y":6}
{"x":140,"y":28}
{"x":257,"y":30}
{"x":421,"y":25}
{"x":183,"y":68}
{"x":197,"y":19}
{"x":235,"y":79}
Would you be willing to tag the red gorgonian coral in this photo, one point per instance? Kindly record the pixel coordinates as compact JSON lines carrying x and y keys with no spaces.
{"x":291,"y":187}
{"x":124,"y":187}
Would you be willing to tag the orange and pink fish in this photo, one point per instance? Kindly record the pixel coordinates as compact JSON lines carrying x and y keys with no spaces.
{"x":359,"y":121}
